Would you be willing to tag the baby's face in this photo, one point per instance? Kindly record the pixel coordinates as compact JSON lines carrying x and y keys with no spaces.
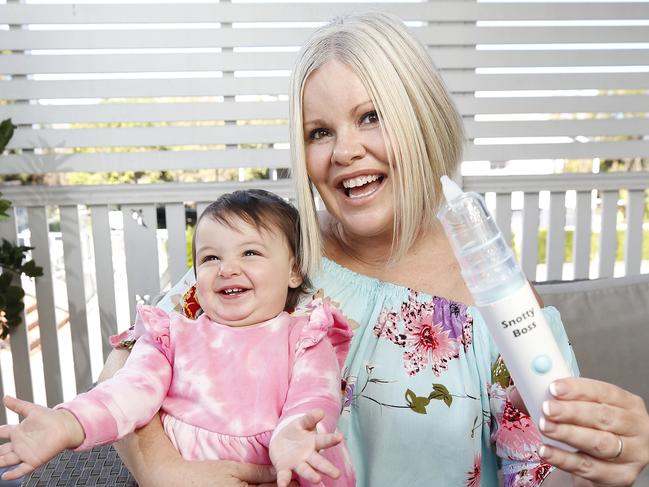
{"x":242,"y":275}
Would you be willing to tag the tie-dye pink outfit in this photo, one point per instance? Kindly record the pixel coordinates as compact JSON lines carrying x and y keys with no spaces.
{"x":222,"y":390}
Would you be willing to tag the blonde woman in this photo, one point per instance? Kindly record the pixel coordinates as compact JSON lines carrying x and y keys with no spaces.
{"x":425,"y":394}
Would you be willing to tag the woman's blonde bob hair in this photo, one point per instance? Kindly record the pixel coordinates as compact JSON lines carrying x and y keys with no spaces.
{"x":421,"y":126}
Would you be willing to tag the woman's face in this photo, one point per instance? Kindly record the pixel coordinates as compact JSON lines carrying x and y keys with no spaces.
{"x":346,"y":155}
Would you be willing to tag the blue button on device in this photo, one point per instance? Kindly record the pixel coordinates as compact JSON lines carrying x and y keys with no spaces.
{"x":541,"y":364}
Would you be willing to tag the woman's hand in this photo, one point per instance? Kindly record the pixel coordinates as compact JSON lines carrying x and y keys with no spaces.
{"x":608,"y":425}
{"x":154,"y":462}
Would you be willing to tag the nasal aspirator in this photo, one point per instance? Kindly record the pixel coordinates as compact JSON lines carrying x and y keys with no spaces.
{"x":504,"y":298}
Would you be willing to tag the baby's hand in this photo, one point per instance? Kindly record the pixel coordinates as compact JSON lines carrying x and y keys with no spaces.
{"x":42,"y":435}
{"x":296,"y":446}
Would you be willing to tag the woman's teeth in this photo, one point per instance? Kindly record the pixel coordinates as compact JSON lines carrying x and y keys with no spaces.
{"x":361,"y":185}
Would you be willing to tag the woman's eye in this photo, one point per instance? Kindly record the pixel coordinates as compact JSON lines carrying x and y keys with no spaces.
{"x":318,"y":134}
{"x":370,"y":117}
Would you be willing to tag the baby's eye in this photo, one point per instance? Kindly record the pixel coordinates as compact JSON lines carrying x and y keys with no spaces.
{"x":370,"y":117}
{"x":249,"y":253}
{"x":317,"y":134}
{"x":209,"y":258}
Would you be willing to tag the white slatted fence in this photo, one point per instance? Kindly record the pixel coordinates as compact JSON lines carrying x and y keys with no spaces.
{"x":188,"y":84}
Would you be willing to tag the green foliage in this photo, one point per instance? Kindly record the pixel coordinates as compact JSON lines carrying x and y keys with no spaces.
{"x":13,"y":265}
{"x":594,"y":245}
{"x":6,"y":132}
{"x":13,"y":261}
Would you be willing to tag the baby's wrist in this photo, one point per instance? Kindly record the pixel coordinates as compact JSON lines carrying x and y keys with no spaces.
{"x":74,"y":433}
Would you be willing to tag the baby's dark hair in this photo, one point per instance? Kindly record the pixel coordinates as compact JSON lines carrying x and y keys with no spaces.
{"x":263,"y":210}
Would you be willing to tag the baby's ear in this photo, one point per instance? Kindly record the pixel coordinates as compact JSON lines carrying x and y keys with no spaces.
{"x":295,"y":278}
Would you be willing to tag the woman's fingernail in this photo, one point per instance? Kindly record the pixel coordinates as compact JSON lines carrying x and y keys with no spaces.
{"x":546,"y":408}
{"x":558,"y":389}
{"x":545,"y":425}
{"x":542,"y":424}
{"x":543,"y":451}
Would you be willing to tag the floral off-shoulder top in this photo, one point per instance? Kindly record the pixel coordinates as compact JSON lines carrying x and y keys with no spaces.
{"x":424,"y":390}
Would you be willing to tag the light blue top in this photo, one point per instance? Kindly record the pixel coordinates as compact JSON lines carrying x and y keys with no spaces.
{"x":424,"y":390}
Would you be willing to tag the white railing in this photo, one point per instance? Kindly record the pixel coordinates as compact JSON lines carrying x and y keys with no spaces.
{"x":114,"y":250}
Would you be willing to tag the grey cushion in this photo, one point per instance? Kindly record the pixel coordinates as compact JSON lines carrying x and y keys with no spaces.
{"x":607,"y":321}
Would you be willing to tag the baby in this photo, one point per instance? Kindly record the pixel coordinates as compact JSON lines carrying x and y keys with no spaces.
{"x":245,"y":381}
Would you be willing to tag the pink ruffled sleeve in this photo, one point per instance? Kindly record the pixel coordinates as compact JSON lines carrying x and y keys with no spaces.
{"x":135,"y":393}
{"x":325,"y":321}
{"x":320,"y":352}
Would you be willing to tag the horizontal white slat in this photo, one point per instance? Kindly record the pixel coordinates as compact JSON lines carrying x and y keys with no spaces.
{"x":140,"y":63}
{"x":569,"y":128}
{"x":148,"y":112}
{"x":470,"y":105}
{"x":557,"y":182}
{"x":27,"y":196}
{"x":583,"y":34}
{"x":112,"y":88}
{"x":280,"y":158}
{"x":575,"y":150}
{"x":466,"y":58}
{"x":277,"y":12}
{"x":144,"y":161}
{"x":183,"y":192}
{"x":154,"y":38}
{"x":436,"y":35}
{"x":137,"y":88}
{"x":150,"y":136}
{"x":179,"y":112}
{"x":229,"y":134}
{"x":504,"y":82}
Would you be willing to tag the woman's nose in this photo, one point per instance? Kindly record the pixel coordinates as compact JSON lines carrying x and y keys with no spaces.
{"x":348,"y":147}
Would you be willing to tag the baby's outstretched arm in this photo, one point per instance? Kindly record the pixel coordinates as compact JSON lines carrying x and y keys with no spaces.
{"x":296,"y":448}
{"x":38,"y":438}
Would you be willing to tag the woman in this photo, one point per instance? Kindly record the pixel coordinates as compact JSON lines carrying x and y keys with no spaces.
{"x":372,"y":129}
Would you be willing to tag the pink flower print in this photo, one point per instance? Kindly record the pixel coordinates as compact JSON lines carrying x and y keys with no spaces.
{"x":540,"y":472}
{"x":517,"y":434}
{"x":387,"y":327}
{"x":348,"y":393}
{"x":467,"y":334}
{"x":430,"y":342}
{"x":473,"y":476}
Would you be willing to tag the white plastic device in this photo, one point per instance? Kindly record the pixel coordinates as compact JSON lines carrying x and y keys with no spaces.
{"x":505,"y":299}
